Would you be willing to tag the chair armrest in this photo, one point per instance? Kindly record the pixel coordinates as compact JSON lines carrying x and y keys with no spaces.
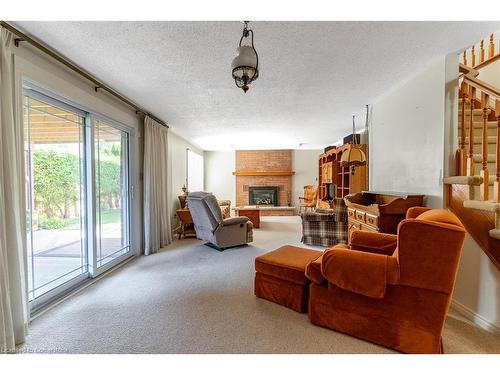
{"x":313,"y":271}
{"x":235,"y":220}
{"x":413,"y":212}
{"x":373,"y":242}
{"x":357,"y":271}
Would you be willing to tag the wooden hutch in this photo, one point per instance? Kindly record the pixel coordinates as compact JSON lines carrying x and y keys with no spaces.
{"x":379,"y":211}
{"x":336,"y":181}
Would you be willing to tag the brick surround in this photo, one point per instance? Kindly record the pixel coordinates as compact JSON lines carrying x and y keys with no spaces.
{"x":264,"y":161}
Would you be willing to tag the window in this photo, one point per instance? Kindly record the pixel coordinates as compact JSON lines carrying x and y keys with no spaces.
{"x":77,"y":194}
{"x":195,"y":171}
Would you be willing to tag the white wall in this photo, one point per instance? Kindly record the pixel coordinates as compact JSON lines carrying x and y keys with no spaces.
{"x":305,"y":165}
{"x":177,"y":147}
{"x":477,"y":289}
{"x":219,"y":178}
{"x":407,"y":136}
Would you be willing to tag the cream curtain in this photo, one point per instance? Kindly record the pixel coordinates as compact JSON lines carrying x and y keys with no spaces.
{"x":157,"y":228}
{"x":13,"y":282}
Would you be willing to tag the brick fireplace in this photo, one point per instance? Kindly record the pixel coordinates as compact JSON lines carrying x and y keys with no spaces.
{"x":261,"y":169}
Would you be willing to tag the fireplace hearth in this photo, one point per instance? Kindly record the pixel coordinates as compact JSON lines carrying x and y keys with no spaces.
{"x":263,"y":195}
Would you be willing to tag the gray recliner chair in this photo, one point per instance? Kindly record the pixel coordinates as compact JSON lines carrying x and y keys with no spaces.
{"x":210,"y":225}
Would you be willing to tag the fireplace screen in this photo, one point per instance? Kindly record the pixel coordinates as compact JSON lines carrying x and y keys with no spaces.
{"x":263,"y":195}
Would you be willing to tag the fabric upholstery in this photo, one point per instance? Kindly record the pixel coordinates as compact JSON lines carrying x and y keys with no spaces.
{"x":374,"y":242}
{"x":407,"y":319}
{"x":287,"y":263}
{"x":356,"y":271}
{"x":283,"y":292}
{"x":325,"y":227}
{"x":280,"y":276}
{"x":413,"y":212}
{"x":313,"y":271}
{"x":399,"y":300}
{"x":210,"y":225}
{"x":225,"y":206}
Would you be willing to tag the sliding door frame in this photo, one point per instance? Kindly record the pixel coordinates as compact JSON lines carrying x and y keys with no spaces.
{"x":93,"y":118}
{"x":35,"y":90}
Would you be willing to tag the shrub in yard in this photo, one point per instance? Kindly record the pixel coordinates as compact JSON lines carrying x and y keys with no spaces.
{"x":52,"y":223}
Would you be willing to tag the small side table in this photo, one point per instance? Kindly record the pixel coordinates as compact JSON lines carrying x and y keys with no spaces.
{"x":187,"y":226}
{"x":252,"y":213}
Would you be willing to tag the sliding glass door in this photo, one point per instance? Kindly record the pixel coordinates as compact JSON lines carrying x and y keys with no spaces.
{"x":111,"y":189}
{"x":77,"y":195}
{"x":55,"y":178}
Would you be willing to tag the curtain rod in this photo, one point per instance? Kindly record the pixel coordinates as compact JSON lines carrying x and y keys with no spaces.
{"x":98,"y":84}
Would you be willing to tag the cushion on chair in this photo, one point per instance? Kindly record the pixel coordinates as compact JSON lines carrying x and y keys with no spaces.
{"x":374,"y":242}
{"x":357,"y":271}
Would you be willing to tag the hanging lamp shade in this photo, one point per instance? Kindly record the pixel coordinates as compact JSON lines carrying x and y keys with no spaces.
{"x":354,"y":156}
{"x":245,"y":66}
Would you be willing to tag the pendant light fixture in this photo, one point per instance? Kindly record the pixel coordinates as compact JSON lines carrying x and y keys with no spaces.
{"x":245,"y":66}
{"x":354,"y":156}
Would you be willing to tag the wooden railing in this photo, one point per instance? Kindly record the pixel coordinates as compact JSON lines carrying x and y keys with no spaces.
{"x":479,"y":95}
{"x":477,"y":57}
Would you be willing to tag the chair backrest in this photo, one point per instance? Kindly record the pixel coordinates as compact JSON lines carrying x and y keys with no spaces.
{"x":429,"y":248}
{"x":340,"y":209}
{"x":205,"y":210}
{"x":310,"y":193}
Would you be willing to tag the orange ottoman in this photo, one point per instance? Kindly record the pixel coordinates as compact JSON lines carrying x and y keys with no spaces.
{"x":280,"y":276}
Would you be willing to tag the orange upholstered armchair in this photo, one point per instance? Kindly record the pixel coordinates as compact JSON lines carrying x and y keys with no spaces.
{"x":393,"y":290}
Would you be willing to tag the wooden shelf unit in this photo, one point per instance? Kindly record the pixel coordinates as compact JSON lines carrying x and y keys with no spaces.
{"x":331,"y":172}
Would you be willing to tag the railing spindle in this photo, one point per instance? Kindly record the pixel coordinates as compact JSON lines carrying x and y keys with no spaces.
{"x":470,"y":160}
{"x":491,"y":50}
{"x":481,"y":52}
{"x":496,"y":186}
{"x":462,"y":150}
{"x":473,"y":56}
{"x":484,"y":172}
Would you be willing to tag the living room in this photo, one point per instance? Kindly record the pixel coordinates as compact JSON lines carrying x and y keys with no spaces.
{"x":215,"y":186}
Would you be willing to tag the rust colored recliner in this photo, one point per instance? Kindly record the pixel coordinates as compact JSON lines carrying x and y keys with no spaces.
{"x":393,"y":290}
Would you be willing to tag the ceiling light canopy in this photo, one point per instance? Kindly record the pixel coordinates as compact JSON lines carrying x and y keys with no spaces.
{"x":245,"y":66}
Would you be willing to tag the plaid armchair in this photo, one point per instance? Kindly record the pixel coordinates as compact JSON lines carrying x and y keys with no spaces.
{"x":325,"y":227}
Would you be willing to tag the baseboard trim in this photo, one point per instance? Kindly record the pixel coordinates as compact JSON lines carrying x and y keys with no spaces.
{"x":475,"y":318}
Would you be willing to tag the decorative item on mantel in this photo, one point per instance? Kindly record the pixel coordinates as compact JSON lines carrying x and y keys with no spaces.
{"x":245,"y":66}
{"x":354,"y":156}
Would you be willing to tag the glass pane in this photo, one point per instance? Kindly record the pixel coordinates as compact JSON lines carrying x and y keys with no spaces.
{"x":54,"y":155}
{"x":111,"y":182}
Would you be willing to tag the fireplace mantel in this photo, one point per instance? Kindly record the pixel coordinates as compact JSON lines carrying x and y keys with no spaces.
{"x":264,"y":173}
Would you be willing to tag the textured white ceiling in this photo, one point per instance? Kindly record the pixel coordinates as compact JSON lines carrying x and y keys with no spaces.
{"x":313,"y":77}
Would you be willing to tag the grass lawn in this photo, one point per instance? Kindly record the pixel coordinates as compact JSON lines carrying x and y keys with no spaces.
{"x":107,"y":217}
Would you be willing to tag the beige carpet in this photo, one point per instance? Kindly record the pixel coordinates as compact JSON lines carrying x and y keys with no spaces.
{"x":190,"y":298}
